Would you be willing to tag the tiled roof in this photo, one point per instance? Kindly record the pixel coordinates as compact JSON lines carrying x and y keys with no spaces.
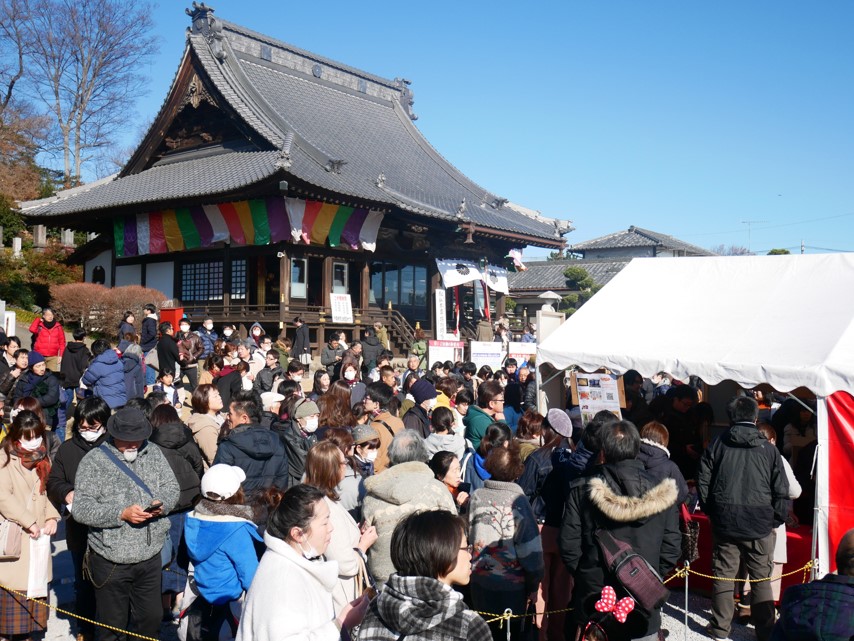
{"x":219,"y":174}
{"x":637,"y":237}
{"x":545,"y":275}
{"x":341,"y":129}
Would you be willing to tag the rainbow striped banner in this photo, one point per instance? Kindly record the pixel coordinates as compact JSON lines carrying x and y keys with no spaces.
{"x":247,"y":222}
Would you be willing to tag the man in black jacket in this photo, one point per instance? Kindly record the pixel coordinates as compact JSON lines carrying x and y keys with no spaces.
{"x":743,"y":489}
{"x":623,"y":499}
{"x":256,"y":450}
{"x":168,"y":354}
{"x":148,"y":338}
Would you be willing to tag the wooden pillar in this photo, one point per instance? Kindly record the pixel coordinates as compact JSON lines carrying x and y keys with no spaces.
{"x":327,"y":282}
{"x":500,"y":303}
{"x":284,"y":285}
{"x":365,"y":287}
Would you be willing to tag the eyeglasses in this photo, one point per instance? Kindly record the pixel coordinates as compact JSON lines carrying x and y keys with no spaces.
{"x":498,"y":400}
{"x":83,"y":427}
{"x":468,"y":548}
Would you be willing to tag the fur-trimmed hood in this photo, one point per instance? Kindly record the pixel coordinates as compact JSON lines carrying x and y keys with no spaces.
{"x":624,"y":508}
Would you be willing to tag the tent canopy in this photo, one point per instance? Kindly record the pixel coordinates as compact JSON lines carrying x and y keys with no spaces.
{"x":783,"y":320}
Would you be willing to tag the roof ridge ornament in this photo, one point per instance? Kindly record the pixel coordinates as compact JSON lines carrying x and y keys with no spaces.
{"x":407,"y":98}
{"x":206,"y":25}
{"x":380,"y":182}
{"x":461,"y":209}
{"x":334,"y":165}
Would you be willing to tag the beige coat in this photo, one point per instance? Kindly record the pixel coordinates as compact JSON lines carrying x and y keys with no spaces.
{"x":20,"y":502}
{"x":342,"y":548}
{"x":206,"y":433}
{"x":396,"y":426}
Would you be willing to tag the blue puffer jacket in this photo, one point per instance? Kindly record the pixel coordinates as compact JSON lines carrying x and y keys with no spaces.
{"x":221,"y":548}
{"x":106,"y":378}
{"x":208,"y":340}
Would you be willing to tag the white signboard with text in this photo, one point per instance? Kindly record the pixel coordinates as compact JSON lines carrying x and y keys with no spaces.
{"x":521,"y":352}
{"x":487,"y":353}
{"x":445,"y":351}
{"x":342,"y":308}
{"x":442,"y":316}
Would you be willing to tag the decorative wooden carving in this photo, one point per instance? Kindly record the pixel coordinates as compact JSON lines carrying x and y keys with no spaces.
{"x":196,"y":93}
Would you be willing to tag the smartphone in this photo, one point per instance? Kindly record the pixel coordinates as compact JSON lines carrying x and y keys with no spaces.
{"x":153,"y":507}
{"x":464,"y":487}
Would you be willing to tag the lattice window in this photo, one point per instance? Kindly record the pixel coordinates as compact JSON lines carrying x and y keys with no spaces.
{"x":238,"y":279}
{"x":201,"y":281}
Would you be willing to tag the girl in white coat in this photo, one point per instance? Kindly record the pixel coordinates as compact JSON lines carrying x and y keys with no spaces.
{"x":325,"y":466}
{"x":290,"y":598}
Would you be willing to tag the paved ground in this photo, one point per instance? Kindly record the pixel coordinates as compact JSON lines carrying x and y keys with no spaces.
{"x":60,"y":626}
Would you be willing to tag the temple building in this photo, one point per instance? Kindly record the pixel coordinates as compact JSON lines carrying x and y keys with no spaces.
{"x":273,"y":179}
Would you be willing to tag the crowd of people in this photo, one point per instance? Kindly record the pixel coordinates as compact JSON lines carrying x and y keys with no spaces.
{"x":214,"y":479}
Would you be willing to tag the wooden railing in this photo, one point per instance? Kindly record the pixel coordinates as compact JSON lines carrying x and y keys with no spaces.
{"x":401,"y":332}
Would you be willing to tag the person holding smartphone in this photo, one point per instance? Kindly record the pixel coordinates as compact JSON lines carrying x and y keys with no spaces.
{"x":123,"y":490}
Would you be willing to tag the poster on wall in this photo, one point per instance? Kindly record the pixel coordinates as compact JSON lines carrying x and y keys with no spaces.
{"x":596,"y":392}
{"x":442,"y":316}
{"x":487,"y":353}
{"x":521,"y":352}
{"x":445,"y":351}
{"x":342,"y":308}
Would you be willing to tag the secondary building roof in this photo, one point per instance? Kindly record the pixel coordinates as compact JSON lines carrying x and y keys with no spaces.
{"x":638,"y":237}
{"x":548,"y":274}
{"x":343,"y":131}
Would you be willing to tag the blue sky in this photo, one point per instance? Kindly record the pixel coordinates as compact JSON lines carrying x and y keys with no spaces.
{"x":686,"y":118}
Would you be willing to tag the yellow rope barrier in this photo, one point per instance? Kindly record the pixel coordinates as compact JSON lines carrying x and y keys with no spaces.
{"x":680,"y":573}
{"x":506,"y":616}
{"x":805,"y":569}
{"x":76,"y":616}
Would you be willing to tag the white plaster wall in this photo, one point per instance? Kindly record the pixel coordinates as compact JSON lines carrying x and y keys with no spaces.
{"x":128,"y":275}
{"x":105,"y":260}
{"x":161,"y":276}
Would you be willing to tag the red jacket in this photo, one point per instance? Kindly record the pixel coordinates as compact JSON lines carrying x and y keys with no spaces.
{"x":49,"y":342}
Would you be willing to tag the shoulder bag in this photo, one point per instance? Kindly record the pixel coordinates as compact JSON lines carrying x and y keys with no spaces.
{"x":634,"y":572}
{"x":10,"y":540}
{"x":166,"y":550}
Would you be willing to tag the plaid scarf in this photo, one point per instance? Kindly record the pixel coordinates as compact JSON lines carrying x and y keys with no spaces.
{"x":37,"y":459}
{"x":420,"y":609}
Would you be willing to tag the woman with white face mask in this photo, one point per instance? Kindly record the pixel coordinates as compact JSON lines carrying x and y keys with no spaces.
{"x":88,"y":431}
{"x":299,"y":435}
{"x":24,"y":468}
{"x":351,"y":375}
{"x":325,"y":467}
{"x":367,"y":446}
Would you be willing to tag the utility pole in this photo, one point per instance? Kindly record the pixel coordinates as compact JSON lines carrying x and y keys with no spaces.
{"x":750,"y":224}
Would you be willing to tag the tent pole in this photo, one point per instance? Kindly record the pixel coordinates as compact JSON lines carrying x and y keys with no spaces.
{"x":801,"y":403}
{"x":554,"y":376}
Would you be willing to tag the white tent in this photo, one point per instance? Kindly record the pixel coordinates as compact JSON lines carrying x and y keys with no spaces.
{"x":783,"y":320}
